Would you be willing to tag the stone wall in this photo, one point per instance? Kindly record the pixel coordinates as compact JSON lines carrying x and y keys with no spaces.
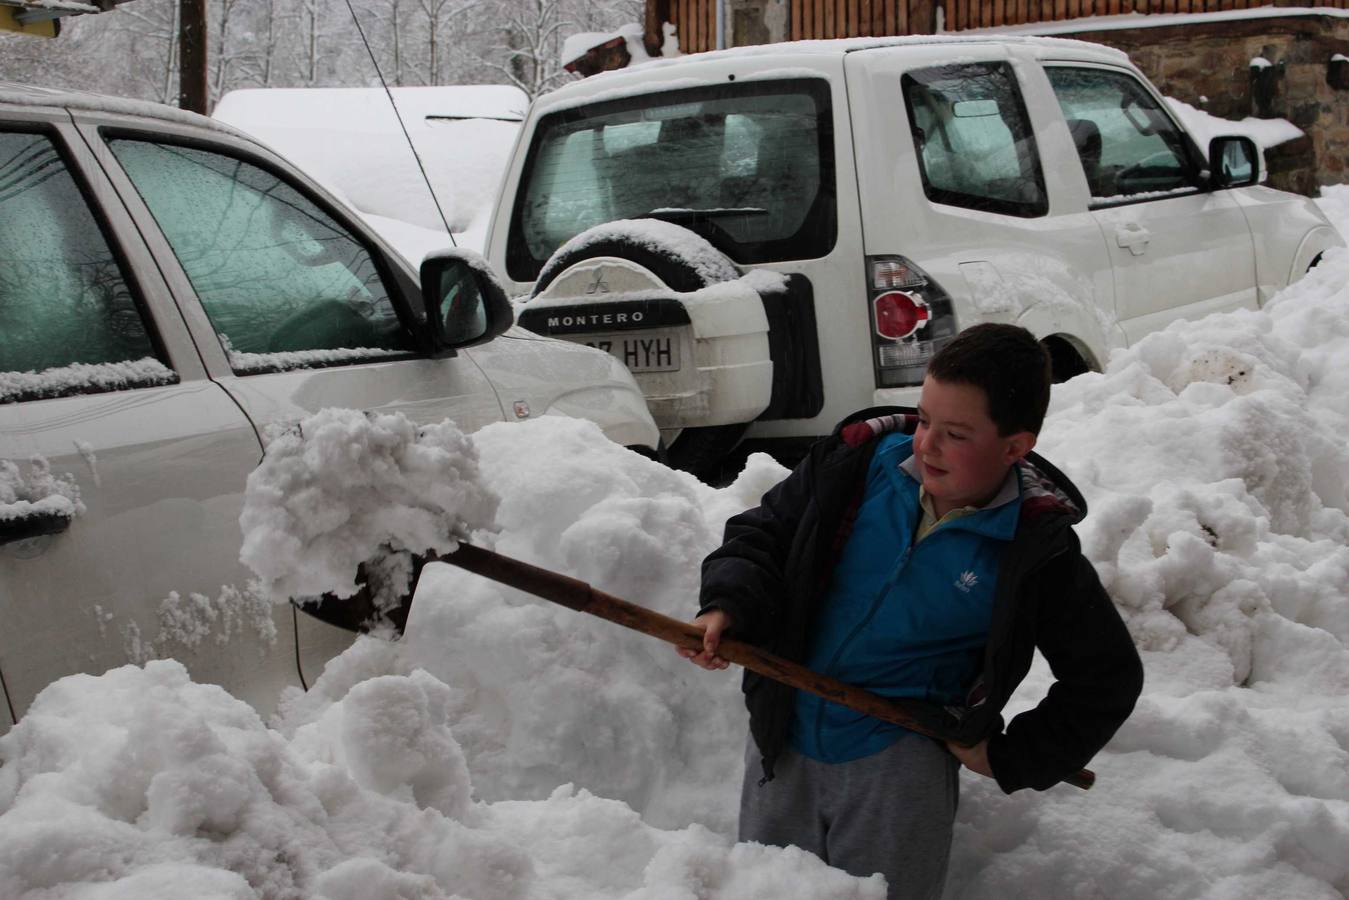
{"x":1207,"y":65}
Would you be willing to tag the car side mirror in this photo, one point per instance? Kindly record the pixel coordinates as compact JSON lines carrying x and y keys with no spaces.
{"x":465,"y":304}
{"x":1233,"y":161}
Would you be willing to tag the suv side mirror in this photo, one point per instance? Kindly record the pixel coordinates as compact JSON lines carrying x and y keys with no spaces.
{"x":465,"y":304}
{"x":1233,"y":161}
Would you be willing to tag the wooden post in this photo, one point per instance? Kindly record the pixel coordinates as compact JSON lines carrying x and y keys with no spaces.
{"x":192,"y":89}
{"x":922,"y":17}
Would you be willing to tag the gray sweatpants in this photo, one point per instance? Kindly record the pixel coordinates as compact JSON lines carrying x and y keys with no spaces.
{"x":891,"y":812}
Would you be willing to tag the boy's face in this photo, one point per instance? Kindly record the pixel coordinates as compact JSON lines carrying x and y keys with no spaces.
{"x":960,"y":456}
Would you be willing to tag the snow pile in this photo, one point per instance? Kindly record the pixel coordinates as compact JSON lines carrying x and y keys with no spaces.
{"x":546,"y":696}
{"x":466,"y":759}
{"x":1204,"y":126}
{"x":1212,"y":456}
{"x":330,"y":493}
{"x":1249,"y":529}
{"x":136,"y":784}
{"x":633,"y":35}
{"x":38,"y":492}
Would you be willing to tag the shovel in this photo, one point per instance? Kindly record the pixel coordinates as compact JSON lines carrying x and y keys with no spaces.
{"x":355,"y":612}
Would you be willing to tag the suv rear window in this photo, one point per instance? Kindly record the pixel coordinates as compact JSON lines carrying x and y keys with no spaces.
{"x":749,"y":165}
{"x":973,"y":138}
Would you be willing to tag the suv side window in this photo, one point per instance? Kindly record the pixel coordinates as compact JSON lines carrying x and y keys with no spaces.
{"x":65,"y":303}
{"x":974,"y":140}
{"x":1129,"y":147}
{"x":283,"y":283}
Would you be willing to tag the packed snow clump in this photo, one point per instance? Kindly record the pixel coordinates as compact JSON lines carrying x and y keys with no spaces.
{"x":656,"y":236}
{"x":345,"y":488}
{"x":37,"y":491}
{"x":84,"y":378}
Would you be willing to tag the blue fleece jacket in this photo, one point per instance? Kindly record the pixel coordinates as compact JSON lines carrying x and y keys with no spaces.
{"x":901,"y":619}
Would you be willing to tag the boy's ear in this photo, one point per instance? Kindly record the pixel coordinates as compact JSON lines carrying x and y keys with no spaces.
{"x":1019,"y":444}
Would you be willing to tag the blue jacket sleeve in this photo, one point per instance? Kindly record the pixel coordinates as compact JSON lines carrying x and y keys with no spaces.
{"x":747,"y":576}
{"x":1098,"y":678}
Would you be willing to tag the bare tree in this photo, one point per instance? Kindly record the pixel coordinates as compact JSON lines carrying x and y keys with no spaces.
{"x":527,"y":57}
{"x":228,"y":56}
{"x":134,"y":50}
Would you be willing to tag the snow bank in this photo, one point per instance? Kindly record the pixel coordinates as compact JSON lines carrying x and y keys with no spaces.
{"x":330,"y":493}
{"x":138,"y":784}
{"x":1213,"y":459}
{"x":470,"y":758}
{"x":548,"y":696}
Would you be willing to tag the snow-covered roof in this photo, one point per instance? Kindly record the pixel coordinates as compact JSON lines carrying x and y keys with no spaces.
{"x":15,"y":94}
{"x":41,"y":10}
{"x":360,"y":109}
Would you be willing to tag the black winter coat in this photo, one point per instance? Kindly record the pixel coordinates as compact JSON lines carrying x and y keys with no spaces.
{"x":772,"y":570}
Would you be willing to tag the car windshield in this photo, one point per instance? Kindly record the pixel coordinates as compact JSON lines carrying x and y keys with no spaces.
{"x":748,"y":165}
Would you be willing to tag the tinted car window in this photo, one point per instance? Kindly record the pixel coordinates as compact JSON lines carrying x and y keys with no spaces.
{"x":1127,"y":144}
{"x":63,"y":297}
{"x":973,"y":139}
{"x":750,"y":166}
{"x":275,"y":273}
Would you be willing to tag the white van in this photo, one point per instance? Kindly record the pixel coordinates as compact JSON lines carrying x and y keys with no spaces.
{"x":169,"y":291}
{"x":902,"y":189}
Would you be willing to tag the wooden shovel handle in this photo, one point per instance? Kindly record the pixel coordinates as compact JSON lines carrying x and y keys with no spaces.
{"x":580,"y":596}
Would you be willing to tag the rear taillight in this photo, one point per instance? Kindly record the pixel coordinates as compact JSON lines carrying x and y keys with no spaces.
{"x":911,"y":317}
{"x":899,"y":314}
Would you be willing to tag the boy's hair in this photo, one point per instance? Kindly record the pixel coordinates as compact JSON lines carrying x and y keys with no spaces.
{"x":1008,"y":364}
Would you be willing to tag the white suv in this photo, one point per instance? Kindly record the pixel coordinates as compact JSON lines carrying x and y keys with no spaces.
{"x":905,"y":188}
{"x":169,"y":288}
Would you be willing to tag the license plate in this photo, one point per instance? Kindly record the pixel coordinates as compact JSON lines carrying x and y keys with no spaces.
{"x":653,"y":350}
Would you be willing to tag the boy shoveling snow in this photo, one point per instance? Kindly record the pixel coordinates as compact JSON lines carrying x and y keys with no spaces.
{"x":928,"y":566}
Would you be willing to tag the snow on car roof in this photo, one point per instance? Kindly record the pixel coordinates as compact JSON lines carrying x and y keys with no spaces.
{"x":605,"y":82}
{"x":368,"y":108}
{"x":15,"y":94}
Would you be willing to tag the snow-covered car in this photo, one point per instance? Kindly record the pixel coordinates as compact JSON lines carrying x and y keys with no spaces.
{"x":901,"y":189}
{"x":169,"y":291}
{"x":354,"y":142}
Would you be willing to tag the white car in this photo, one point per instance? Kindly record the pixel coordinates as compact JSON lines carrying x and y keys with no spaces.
{"x":906,"y":188}
{"x":169,"y":290}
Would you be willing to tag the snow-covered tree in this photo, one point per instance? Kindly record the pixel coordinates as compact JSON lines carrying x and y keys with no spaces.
{"x":133,"y":51}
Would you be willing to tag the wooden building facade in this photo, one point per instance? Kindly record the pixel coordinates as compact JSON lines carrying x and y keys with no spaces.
{"x":696,"y":23}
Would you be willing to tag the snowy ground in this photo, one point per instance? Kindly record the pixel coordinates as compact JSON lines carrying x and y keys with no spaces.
{"x":471,"y":758}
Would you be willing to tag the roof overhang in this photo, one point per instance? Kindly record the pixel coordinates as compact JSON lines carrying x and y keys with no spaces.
{"x":42,"y":18}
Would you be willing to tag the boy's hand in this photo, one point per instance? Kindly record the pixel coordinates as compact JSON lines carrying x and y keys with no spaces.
{"x":974,"y":758}
{"x":713,"y":624}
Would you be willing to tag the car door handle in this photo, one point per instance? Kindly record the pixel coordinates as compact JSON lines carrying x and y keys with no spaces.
{"x":30,"y":526}
{"x":1133,"y":238}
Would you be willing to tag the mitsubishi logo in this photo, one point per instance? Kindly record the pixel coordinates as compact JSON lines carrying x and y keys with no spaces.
{"x":599,"y":285}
